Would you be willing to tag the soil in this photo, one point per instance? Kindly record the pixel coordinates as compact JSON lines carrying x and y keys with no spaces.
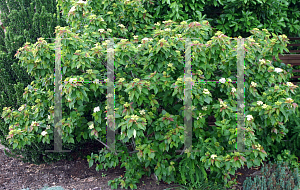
{"x":76,"y":174}
{"x":16,"y":175}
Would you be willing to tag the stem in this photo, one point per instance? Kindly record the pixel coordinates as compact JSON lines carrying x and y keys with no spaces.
{"x":179,"y":157}
{"x":105,"y":146}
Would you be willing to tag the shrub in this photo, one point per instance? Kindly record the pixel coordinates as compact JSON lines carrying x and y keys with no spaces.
{"x":147,"y":112}
{"x":235,"y":18}
{"x":274,"y":176}
{"x":24,"y":24}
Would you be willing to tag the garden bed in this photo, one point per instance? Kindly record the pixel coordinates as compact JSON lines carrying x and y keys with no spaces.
{"x":76,"y":174}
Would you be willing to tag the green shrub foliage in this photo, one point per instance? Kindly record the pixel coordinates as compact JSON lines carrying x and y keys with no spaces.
{"x":149,"y":84}
{"x":232,"y":17}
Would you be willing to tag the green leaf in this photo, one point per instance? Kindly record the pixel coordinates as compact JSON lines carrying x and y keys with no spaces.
{"x":43,"y":72}
{"x":64,"y":70}
{"x":71,"y":140}
{"x":256,"y":161}
{"x":131,"y":95}
{"x":155,"y":90}
{"x":170,"y":169}
{"x":249,"y":164}
{"x":78,"y":94}
{"x":130,"y":133}
{"x":91,"y":162}
{"x":152,"y":155}
{"x":227,"y":165}
{"x":217,"y":164}
{"x":84,"y":93}
{"x":30,"y":67}
{"x":162,"y":146}
{"x":232,"y":172}
{"x":136,"y":94}
{"x":85,"y":136}
{"x":93,"y":87}
{"x":207,"y":99}
{"x":145,"y":90}
{"x":48,"y":55}
{"x":148,"y":118}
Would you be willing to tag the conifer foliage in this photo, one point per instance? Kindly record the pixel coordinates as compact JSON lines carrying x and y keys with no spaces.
{"x":24,"y":21}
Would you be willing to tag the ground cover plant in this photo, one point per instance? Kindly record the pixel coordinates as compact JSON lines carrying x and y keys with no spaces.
{"x":148,"y":114}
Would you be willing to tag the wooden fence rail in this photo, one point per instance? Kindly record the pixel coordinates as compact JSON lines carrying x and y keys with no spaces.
{"x":293,"y":59}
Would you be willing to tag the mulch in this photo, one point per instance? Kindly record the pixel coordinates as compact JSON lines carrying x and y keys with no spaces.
{"x":76,"y":174}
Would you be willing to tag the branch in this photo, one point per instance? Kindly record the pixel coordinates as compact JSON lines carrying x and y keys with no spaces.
{"x":178,"y":157}
{"x":105,"y":146}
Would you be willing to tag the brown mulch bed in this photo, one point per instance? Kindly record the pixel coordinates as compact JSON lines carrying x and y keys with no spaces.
{"x":76,"y":174}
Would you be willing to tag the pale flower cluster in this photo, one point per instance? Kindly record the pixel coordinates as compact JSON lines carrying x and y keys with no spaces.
{"x":223,"y":104}
{"x":289,"y":84}
{"x":44,"y":133}
{"x":222,"y":80}
{"x":126,"y":104}
{"x":96,"y":81}
{"x":145,"y":39}
{"x":121,"y":25}
{"x":205,"y":91}
{"x":262,"y":61}
{"x":134,"y":117}
{"x":259,"y":147}
{"x":200,"y":116}
{"x":22,"y":107}
{"x":73,"y":80}
{"x":259,"y":103}
{"x":157,"y":24}
{"x":253,"y":84}
{"x":142,"y":112}
{"x":121,"y":80}
{"x":101,"y":30}
{"x":91,"y":126}
{"x":136,"y":80}
{"x":96,"y":109}
{"x":278,"y":70}
{"x":213,"y":156}
{"x":72,"y":10}
{"x":81,"y":2}
{"x":249,"y":117}
{"x":34,"y":123}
